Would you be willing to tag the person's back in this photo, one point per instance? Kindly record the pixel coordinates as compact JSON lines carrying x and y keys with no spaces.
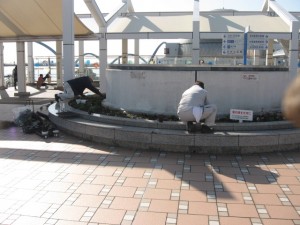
{"x":194,"y":96}
{"x":79,"y":84}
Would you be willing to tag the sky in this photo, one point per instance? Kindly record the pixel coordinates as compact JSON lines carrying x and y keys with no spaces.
{"x":114,"y":46}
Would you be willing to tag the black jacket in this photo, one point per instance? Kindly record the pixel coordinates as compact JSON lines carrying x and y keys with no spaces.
{"x":79,"y":84}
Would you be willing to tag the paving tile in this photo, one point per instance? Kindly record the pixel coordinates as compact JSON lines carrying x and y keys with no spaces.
{"x":188,"y":195}
{"x":194,"y":176}
{"x":130,"y":172}
{"x":229,"y":197}
{"x":295,"y":189}
{"x":29,"y":220}
{"x":282,"y":212}
{"x":108,"y":216}
{"x":202,"y":186}
{"x":203,"y":208}
{"x":105,"y":180}
{"x":162,"y":174}
{"x":266,"y":199}
{"x":240,"y":210}
{"x":163,"y":206}
{"x":150,"y":218}
{"x":235,"y":187}
{"x":58,"y":186}
{"x":122,"y":191}
{"x":66,"y":222}
{"x":192,"y":219}
{"x":131,"y":204}
{"x":168,"y":184}
{"x":89,"y":189}
{"x":235,"y":221}
{"x":277,"y":222}
{"x":34,"y":209}
{"x":55,"y":197}
{"x":89,"y":200}
{"x":268,"y":189}
{"x":73,"y":213}
{"x":135,"y":182}
{"x":152,"y":193}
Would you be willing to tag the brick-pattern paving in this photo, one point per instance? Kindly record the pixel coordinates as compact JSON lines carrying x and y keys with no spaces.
{"x":66,"y":180}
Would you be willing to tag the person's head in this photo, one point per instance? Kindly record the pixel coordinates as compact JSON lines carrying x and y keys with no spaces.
{"x":41,"y":75}
{"x":200,"y":83}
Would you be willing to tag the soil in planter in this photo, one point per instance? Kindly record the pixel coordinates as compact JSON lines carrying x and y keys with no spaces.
{"x":94,"y":105}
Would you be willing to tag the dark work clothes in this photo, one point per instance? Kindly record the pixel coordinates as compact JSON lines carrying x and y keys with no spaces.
{"x":79,"y":84}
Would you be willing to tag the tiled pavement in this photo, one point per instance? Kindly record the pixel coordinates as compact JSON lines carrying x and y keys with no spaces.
{"x":66,"y":180}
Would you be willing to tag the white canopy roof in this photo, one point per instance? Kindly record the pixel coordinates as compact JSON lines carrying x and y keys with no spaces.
{"x":180,"y":25}
{"x":30,"y":19}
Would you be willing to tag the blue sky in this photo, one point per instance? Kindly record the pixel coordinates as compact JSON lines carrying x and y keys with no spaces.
{"x":152,"y":5}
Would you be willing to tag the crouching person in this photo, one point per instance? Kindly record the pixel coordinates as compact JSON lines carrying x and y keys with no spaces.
{"x":194,"y":106}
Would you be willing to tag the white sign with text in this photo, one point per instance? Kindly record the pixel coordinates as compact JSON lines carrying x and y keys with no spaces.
{"x":239,"y":114}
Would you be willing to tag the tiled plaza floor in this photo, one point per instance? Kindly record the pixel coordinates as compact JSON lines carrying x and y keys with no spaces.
{"x":67,"y":181}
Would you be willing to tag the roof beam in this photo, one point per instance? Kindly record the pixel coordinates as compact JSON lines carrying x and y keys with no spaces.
{"x":265,"y":6}
{"x":112,"y":16}
{"x":97,"y":14}
{"x":129,"y":5}
{"x":284,"y":14}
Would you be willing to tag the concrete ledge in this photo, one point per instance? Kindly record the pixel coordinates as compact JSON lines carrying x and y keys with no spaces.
{"x":246,"y":126}
{"x":154,"y":138}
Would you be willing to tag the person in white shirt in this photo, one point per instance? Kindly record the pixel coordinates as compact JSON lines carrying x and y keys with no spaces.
{"x":194,"y":106}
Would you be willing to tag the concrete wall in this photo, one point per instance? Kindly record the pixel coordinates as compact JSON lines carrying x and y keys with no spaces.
{"x":159,"y":91}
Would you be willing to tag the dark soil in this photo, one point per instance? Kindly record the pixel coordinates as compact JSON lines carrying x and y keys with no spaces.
{"x":93,"y":105}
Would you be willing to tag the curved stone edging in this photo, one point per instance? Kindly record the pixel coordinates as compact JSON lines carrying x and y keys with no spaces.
{"x":224,"y":142}
{"x":177,"y":125}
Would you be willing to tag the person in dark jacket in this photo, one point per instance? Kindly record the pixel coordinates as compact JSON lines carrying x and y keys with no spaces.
{"x":75,"y":87}
{"x":15,"y":76}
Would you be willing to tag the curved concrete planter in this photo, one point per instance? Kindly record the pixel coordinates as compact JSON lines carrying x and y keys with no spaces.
{"x":171,"y":136}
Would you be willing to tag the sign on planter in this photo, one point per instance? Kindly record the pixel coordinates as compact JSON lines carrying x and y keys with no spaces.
{"x":239,"y":114}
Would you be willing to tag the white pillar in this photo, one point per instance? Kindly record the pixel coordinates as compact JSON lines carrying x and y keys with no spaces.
{"x":2,"y":85}
{"x":124,"y":51}
{"x":81,"y":58}
{"x":68,"y":39}
{"x":103,"y":64}
{"x":196,"y":33}
{"x":30,"y":63}
{"x":136,"y":51}
{"x":21,"y":69}
{"x":59,"y":75}
{"x":294,"y":48}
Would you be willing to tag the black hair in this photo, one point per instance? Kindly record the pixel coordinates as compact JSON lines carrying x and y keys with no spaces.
{"x":200,"y":83}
